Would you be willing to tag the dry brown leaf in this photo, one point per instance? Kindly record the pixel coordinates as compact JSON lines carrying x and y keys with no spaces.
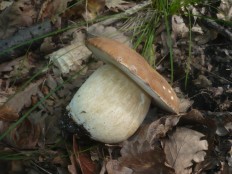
{"x":5,"y":4}
{"x":110,"y":32}
{"x":84,"y":160}
{"x":225,"y":10}
{"x":7,"y":114}
{"x":116,"y":5}
{"x":142,"y":152}
{"x":23,"y":98}
{"x":229,"y":158}
{"x":142,"y":159}
{"x":9,"y":66}
{"x":24,"y":136}
{"x":159,"y":128}
{"x":202,"y":82}
{"x":50,"y":8}
{"x":72,"y":168}
{"x":9,"y":111}
{"x":182,"y":147}
{"x":94,"y":8}
{"x":20,"y":14}
{"x":178,"y":27}
{"x":5,"y":91}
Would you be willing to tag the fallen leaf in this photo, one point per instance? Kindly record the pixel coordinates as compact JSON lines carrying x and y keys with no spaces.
{"x":185,"y":104}
{"x":159,"y":128}
{"x":7,"y":114}
{"x":182,"y":147}
{"x":51,"y":8}
{"x":12,"y":107}
{"x":72,"y":168}
{"x":116,"y":5}
{"x":229,"y":158}
{"x":142,"y":159}
{"x":142,"y":152}
{"x":178,"y":27}
{"x":202,"y":82}
{"x":225,"y":10}
{"x":9,"y":66}
{"x":16,"y":103}
{"x":94,"y":8}
{"x":113,"y":167}
{"x":20,"y":14}
{"x":23,"y":136}
{"x":5,"y":4}
{"x":83,"y":159}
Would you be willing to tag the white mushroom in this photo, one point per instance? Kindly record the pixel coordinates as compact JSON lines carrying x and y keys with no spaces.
{"x":115,"y":99}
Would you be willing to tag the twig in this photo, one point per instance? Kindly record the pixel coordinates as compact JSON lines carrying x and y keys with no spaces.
{"x":219,"y":28}
{"x":17,"y":45}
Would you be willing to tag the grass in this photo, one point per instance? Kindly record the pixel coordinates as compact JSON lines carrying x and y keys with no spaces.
{"x":11,"y":155}
{"x":145,"y":32}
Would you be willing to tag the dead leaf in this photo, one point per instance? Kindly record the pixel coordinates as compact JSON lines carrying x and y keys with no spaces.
{"x":185,"y":104}
{"x":202,"y":82}
{"x":48,"y":45}
{"x":159,"y":128}
{"x":229,"y":158}
{"x":7,"y":114}
{"x":83,"y":159}
{"x":94,"y":8}
{"x":182,"y":147}
{"x":51,"y":8}
{"x":225,"y":10}
{"x":5,"y":91}
{"x":16,"y":103}
{"x":178,"y":27}
{"x":9,"y":66}
{"x":20,"y":14}
{"x":24,"y":136}
{"x":142,"y":159}
{"x":73,"y":167}
{"x":116,"y":5}
{"x":142,"y":152}
{"x":113,"y":167}
{"x":5,"y":4}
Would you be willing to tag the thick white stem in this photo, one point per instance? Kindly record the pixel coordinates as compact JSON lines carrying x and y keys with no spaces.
{"x":109,"y":105}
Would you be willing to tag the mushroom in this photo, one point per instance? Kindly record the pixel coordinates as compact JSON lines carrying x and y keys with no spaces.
{"x":114,"y":100}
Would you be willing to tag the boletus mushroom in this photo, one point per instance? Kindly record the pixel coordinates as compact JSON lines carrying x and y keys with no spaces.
{"x":115,"y":99}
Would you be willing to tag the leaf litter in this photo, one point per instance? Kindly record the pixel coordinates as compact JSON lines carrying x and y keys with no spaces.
{"x":196,"y":142}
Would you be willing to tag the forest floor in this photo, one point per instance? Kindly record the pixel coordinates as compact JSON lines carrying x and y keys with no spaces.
{"x":44,"y":61}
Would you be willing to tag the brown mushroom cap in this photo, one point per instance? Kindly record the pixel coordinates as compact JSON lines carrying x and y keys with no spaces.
{"x":135,"y":66}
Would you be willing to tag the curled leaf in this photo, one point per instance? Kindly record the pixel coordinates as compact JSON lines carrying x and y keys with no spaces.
{"x":182,"y":147}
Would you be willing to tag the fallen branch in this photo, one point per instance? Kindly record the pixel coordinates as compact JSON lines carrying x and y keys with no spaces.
{"x":18,"y":44}
{"x":219,"y":28}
